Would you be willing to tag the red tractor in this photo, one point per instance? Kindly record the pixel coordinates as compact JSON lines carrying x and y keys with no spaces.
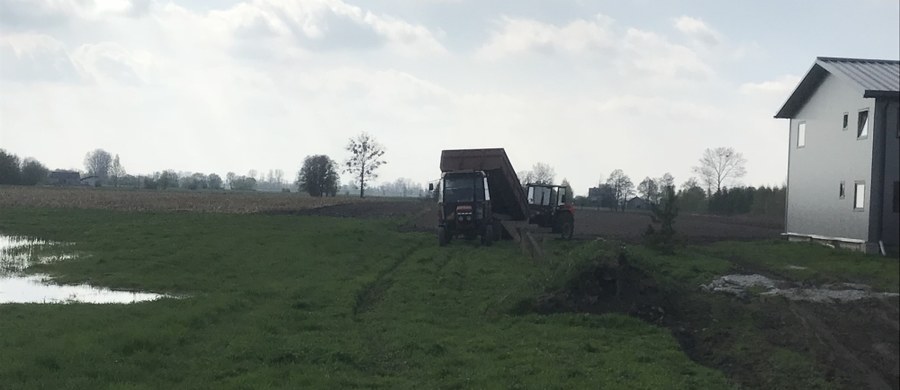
{"x":550,"y":207}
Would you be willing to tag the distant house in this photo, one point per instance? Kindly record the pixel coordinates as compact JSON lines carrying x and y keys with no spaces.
{"x":603,"y":196}
{"x":637,"y":203}
{"x":842,"y":184}
{"x":61,"y":177}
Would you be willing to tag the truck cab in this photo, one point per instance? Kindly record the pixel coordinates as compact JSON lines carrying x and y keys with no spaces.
{"x":464,"y":207}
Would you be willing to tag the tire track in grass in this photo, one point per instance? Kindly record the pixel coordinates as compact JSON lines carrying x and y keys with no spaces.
{"x":373,"y":292}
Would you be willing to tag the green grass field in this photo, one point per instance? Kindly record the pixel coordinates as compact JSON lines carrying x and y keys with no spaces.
{"x":302,"y":302}
{"x":319,"y":302}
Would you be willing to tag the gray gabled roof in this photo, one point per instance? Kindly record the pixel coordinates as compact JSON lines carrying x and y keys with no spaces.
{"x":873,"y":78}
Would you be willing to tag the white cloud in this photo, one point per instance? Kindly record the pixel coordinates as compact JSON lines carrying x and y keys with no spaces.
{"x":648,"y":53}
{"x":780,"y":86}
{"x":698,"y":30}
{"x":326,"y":25}
{"x":520,"y":36}
{"x":112,"y":62}
{"x":34,"y":57}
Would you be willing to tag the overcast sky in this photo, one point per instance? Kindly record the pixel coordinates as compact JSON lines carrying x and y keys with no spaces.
{"x":585,"y":86}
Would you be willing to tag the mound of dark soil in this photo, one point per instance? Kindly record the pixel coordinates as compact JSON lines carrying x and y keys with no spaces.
{"x":605,"y":288}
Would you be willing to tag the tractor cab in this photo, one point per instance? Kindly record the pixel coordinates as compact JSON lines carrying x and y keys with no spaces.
{"x":464,"y":207}
{"x":549,"y":207}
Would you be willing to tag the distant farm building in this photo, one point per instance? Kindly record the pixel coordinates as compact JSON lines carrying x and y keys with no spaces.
{"x":842,"y":184}
{"x":61,"y":177}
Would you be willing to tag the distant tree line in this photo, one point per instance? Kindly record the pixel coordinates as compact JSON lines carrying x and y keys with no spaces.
{"x":27,"y":172}
{"x":319,"y":175}
{"x":709,"y":192}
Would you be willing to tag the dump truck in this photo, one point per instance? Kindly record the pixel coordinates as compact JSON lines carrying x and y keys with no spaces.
{"x":480,"y":195}
{"x":478,"y":189}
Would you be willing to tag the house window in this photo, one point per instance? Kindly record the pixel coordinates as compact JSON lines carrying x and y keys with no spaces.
{"x":841,"y":190}
{"x":801,"y":135}
{"x":859,"y":196}
{"x":846,"y":121}
{"x":862,"y":124}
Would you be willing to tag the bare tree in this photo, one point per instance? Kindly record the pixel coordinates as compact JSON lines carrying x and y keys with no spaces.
{"x":543,"y":173}
{"x":365,"y":158}
{"x":667,"y":180}
{"x":621,"y":186}
{"x":279,"y":176}
{"x":540,"y":173}
{"x":116,"y":171}
{"x":525,"y":177}
{"x":97,"y":163}
{"x":664,"y":182}
{"x":720,"y":166}
{"x":649,"y":190}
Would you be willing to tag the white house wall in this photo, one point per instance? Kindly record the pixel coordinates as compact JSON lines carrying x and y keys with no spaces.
{"x":831,"y":155}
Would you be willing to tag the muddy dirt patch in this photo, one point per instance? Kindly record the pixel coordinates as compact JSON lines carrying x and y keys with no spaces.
{"x":746,"y":285}
{"x":795,"y":340}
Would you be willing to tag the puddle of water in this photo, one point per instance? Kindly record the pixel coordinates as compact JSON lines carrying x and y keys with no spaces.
{"x":35,"y":289}
{"x":742,"y":285}
{"x":18,"y":253}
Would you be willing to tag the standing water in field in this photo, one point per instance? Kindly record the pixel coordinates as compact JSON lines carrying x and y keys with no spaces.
{"x":18,"y":253}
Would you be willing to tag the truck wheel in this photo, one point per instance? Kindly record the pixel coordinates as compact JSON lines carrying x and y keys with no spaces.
{"x":487,"y":237}
{"x":442,"y":236}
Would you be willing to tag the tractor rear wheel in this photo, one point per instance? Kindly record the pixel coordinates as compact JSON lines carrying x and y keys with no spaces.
{"x":566,"y":226}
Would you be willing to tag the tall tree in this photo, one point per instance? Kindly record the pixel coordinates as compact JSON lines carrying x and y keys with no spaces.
{"x":97,"y":163}
{"x":229,"y":179}
{"x":215,"y":182}
{"x":279,"y":176}
{"x":569,"y":195}
{"x":649,"y":190}
{"x":167,"y":178}
{"x":621,"y":187}
{"x":720,"y":166}
{"x":9,"y":168}
{"x":666,"y":180}
{"x":525,"y":177}
{"x":365,"y":157}
{"x":543,"y":173}
{"x":116,"y":170}
{"x":692,"y":197}
{"x":318,"y":176}
{"x":33,"y":172}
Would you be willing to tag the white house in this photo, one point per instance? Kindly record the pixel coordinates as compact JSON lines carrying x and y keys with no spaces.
{"x":844,"y":124}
